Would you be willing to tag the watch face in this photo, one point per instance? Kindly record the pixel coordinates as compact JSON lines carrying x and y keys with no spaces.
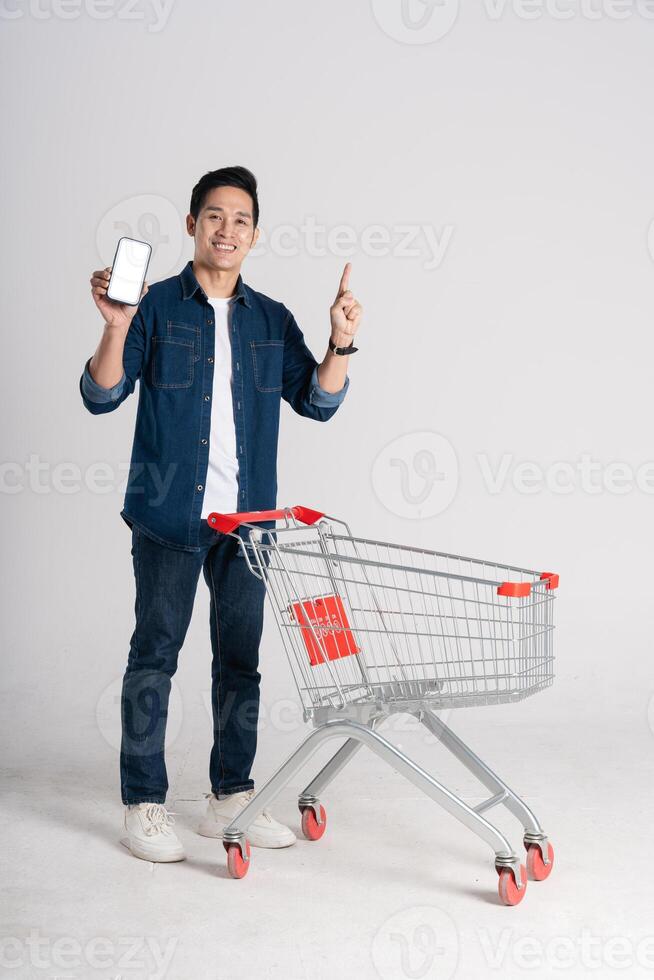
{"x":342,"y":350}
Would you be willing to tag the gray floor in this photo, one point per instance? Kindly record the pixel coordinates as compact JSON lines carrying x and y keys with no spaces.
{"x":396,"y":888}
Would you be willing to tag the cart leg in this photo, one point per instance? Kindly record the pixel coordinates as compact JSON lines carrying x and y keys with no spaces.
{"x":337,"y":762}
{"x":502,"y":794}
{"x":504,"y":857}
{"x":310,"y":795}
{"x":236,"y":831}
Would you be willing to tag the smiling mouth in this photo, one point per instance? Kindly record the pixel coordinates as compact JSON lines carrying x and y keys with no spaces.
{"x":224,"y":247}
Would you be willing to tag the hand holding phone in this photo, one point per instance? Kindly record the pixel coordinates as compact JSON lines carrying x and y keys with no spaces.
{"x":118,"y":289}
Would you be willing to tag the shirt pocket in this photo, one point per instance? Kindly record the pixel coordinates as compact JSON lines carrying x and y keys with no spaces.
{"x":268,"y":363}
{"x":173,"y":362}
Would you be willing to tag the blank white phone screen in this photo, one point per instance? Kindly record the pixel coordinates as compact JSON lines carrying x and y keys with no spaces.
{"x":128,"y":272}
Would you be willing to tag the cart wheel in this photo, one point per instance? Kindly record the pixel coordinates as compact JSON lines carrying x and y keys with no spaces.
{"x":311,"y":829}
{"x":237,"y":867}
{"x":536,"y":867}
{"x":509,"y":892}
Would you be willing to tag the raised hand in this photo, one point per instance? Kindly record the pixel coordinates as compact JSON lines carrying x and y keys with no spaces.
{"x":345,"y":312}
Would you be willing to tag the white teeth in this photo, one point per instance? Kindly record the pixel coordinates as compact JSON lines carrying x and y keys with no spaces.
{"x":225,"y":248}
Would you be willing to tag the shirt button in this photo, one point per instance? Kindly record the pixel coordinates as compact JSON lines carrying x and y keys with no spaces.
{"x":207,"y":398}
{"x":199,"y":487}
{"x":209,"y":320}
{"x":210,"y":360}
{"x":204,"y":442}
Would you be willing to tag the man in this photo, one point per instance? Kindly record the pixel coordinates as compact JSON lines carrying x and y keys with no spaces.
{"x":213,"y":358}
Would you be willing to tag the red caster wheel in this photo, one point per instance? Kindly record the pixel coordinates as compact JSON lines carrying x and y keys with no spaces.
{"x":509,"y":892}
{"x":237,"y":867}
{"x":311,"y":829}
{"x":536,"y":867}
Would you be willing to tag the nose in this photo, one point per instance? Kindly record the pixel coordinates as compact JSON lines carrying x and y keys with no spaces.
{"x":228,"y":227}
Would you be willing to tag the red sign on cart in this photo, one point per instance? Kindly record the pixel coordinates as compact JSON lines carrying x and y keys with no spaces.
{"x":325,"y":628}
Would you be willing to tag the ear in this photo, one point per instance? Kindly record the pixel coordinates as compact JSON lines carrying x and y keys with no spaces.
{"x":190,"y":225}
{"x":255,"y":238}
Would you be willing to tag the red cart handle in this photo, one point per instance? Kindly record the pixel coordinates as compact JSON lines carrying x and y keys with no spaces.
{"x":229,"y":522}
{"x":521,"y":589}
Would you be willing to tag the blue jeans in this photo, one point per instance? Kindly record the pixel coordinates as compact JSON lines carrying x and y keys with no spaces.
{"x":166,"y":583}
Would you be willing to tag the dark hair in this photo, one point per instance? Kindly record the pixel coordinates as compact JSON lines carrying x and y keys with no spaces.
{"x":225,"y":177}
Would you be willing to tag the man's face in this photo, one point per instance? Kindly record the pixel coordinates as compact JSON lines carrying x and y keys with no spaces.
{"x":224,"y":232}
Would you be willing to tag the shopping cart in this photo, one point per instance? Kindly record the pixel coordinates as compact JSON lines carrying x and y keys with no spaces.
{"x":372,"y":629}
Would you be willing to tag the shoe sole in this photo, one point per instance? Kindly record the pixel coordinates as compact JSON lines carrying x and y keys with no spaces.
{"x":154,"y":858}
{"x":217,"y":835}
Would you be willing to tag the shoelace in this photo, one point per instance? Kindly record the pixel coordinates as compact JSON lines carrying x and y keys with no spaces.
{"x":158,"y":819}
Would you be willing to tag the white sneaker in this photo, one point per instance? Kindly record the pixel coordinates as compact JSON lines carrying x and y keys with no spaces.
{"x":150,"y":833}
{"x":265,"y":831}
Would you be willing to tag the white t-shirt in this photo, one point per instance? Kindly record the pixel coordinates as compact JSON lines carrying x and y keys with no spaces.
{"x":221,"y":487}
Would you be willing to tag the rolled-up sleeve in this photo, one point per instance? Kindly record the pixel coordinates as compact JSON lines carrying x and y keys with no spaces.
{"x":93,"y":392}
{"x":326,"y":399}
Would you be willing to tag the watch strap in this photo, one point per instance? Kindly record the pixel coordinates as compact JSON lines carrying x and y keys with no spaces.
{"x":342,"y":350}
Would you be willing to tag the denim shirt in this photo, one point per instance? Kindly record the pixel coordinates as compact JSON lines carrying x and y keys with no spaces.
{"x":169,"y":349}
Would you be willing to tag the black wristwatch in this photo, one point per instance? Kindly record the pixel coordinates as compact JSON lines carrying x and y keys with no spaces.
{"x":342,"y":350}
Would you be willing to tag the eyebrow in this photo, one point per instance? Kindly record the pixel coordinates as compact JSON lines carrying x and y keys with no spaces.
{"x":214,"y":207}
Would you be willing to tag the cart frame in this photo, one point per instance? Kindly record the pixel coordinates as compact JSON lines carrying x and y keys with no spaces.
{"x":357,"y":719}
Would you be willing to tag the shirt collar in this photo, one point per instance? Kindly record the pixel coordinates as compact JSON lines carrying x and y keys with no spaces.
{"x":190,"y":285}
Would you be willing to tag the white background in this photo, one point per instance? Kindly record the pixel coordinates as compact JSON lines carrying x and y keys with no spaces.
{"x":528,"y":143}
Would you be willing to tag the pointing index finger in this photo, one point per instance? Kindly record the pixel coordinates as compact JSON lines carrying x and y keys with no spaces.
{"x":345,"y":279}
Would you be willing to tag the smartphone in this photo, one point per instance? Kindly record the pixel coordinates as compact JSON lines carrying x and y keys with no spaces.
{"x":128,"y":271}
